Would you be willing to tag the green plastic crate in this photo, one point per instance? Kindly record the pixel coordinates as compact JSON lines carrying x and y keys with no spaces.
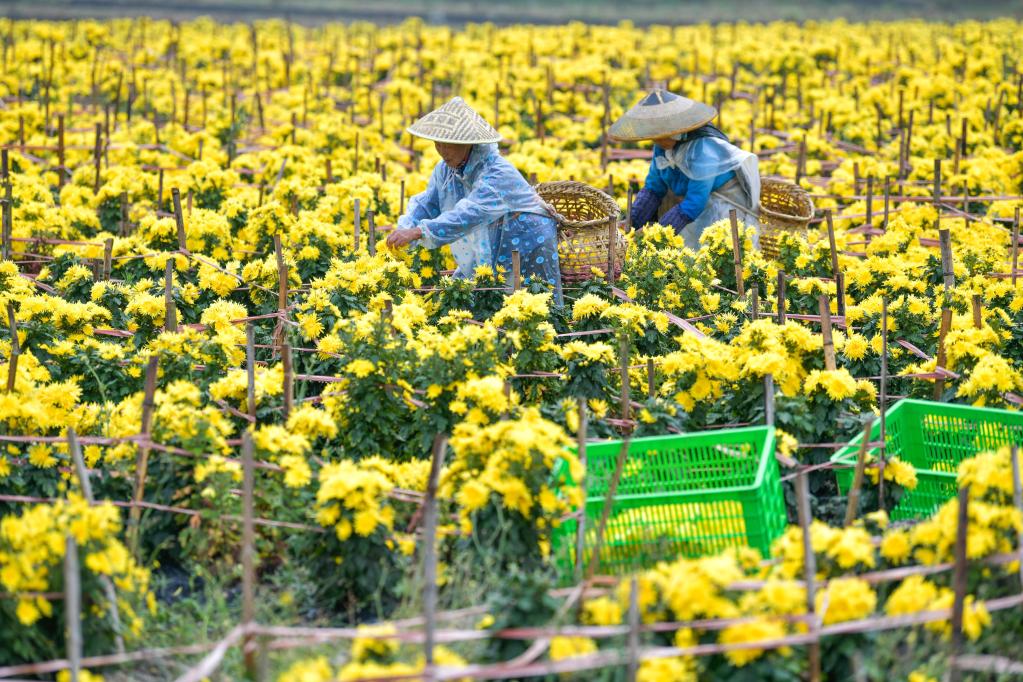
{"x":685,"y":495}
{"x":933,"y":438}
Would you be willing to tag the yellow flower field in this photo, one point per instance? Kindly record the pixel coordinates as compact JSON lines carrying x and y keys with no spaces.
{"x":194,"y":269}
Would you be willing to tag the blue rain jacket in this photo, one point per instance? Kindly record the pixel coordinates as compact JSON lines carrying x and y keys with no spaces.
{"x":696,"y":192}
{"x":486,"y":210}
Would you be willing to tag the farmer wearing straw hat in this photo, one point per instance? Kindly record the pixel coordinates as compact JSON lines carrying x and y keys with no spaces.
{"x":693,"y":161}
{"x":477,"y":202}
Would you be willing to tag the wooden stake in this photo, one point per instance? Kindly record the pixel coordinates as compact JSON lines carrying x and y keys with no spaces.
{"x":937,"y":181}
{"x":170,"y":320}
{"x":947,"y":271}
{"x":736,"y":253}
{"x":108,"y":252}
{"x":580,"y":529}
{"x":633,"y":620}
{"x":831,"y":242}
{"x":357,"y":224}
{"x":250,"y":370}
{"x":623,"y":357}
{"x":12,"y":360}
{"x":289,"y":378}
{"x":97,"y":157}
{"x":853,"y":501}
{"x":978,"y":309}
{"x":180,"y":219}
{"x":651,"y":378}
{"x":371,"y":238}
{"x":809,"y":571}
{"x":159,"y":192}
{"x":124,"y":214}
{"x":7,"y":222}
{"x":829,"y":344}
{"x":440,"y":443}
{"x":959,"y":571}
{"x":612,"y":235}
{"x":248,"y":551}
{"x":142,"y":459}
{"x":516,"y":270}
{"x":401,"y":198}
{"x":606,"y":509}
{"x":1016,"y":242}
{"x":60,"y":151}
{"x":769,"y":399}
{"x":282,"y":275}
{"x":108,"y":586}
{"x":1017,"y":500}
{"x":755,"y":302}
{"x":870,"y":202}
{"x":882,"y":400}
{"x":887,"y":200}
{"x":73,"y":608}
{"x":780,"y":307}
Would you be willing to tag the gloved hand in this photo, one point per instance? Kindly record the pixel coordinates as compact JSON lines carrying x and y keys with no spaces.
{"x":644,"y":208}
{"x":675,"y":219}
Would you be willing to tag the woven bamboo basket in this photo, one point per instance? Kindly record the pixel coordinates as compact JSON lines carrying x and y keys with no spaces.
{"x":584,"y":215}
{"x":784,"y":207}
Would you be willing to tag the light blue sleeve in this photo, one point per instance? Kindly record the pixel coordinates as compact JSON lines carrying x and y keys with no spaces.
{"x":484,"y":205}
{"x":422,"y":206}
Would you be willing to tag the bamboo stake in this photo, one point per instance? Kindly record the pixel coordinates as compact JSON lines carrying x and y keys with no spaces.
{"x":180,"y":220}
{"x":440,"y":443}
{"x":736,"y":253}
{"x":829,"y":344}
{"x":959,"y":581}
{"x":809,"y":572}
{"x":12,"y":361}
{"x":853,"y":502}
{"x":73,"y":608}
{"x":170,"y":321}
{"x":248,"y":551}
{"x":142,"y":459}
{"x":580,"y":529}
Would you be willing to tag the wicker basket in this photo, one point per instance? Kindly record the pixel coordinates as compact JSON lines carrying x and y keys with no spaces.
{"x":784,"y":207}
{"x":583,"y":214}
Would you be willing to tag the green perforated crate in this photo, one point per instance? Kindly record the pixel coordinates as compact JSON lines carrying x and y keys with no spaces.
{"x":684,"y":495}
{"x":934,"y":438}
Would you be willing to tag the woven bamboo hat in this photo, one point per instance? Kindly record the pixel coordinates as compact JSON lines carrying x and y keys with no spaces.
{"x":661,"y":114}
{"x":455,"y":122}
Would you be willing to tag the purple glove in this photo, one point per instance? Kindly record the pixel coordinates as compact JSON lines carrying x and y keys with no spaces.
{"x":675,"y":219}
{"x":644,"y":208}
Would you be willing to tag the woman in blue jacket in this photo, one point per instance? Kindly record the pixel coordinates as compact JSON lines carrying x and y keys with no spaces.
{"x":477,"y":202}
{"x":694,"y":162}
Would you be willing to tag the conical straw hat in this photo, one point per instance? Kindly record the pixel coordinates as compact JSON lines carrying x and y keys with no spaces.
{"x":455,"y":122}
{"x":661,"y":114}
